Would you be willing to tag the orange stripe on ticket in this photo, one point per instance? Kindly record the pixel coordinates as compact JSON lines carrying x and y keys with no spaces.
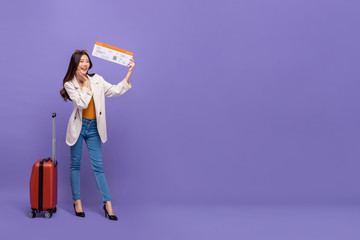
{"x":114,"y":48}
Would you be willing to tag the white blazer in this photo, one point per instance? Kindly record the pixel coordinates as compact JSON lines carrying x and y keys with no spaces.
{"x":81,"y":98}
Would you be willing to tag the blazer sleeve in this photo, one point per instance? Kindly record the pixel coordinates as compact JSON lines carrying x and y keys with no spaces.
{"x":115,"y":90}
{"x":80,"y":98}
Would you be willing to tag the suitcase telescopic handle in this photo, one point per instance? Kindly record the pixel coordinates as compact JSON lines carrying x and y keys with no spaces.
{"x":54,"y":139}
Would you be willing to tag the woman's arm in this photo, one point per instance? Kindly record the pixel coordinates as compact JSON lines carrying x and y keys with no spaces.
{"x":80,"y":98}
{"x":116,"y":90}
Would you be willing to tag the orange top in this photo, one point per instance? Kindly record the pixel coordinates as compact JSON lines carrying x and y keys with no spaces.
{"x":89,"y":112}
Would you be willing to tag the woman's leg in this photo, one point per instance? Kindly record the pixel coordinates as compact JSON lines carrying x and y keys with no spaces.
{"x":75,"y":156}
{"x":93,"y":143}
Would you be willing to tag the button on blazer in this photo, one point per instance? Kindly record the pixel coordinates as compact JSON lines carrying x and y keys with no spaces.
{"x":81,"y":98}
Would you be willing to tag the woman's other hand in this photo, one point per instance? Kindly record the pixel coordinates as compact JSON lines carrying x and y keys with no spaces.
{"x":84,"y":80}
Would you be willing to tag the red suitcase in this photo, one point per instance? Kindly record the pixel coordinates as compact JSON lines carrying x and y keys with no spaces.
{"x":43,"y":183}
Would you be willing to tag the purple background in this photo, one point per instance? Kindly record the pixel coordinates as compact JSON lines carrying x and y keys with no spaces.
{"x":234,"y":103}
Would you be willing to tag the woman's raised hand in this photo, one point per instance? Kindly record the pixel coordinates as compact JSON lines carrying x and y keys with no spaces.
{"x":131,"y":65}
{"x":84,"y":80}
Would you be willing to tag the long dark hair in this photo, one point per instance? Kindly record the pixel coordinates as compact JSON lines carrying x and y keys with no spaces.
{"x":73,"y":65}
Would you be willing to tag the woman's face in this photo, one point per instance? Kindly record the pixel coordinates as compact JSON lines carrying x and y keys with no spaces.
{"x":84,"y":64}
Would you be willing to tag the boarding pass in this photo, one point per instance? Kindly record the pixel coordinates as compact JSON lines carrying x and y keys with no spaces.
{"x":112,"y":54}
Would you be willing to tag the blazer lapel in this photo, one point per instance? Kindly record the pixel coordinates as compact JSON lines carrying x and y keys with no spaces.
{"x":94,"y":84}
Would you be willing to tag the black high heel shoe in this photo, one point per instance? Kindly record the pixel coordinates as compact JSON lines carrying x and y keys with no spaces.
{"x":111,"y":217}
{"x":79,"y":214}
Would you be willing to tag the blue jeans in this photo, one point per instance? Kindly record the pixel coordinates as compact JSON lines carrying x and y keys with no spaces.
{"x":90,"y":134}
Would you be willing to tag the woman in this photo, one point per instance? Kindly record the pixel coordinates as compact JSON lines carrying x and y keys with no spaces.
{"x":88,"y":122}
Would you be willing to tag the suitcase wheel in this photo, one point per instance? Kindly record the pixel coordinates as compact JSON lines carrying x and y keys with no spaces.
{"x":32,"y":214}
{"x":48,"y":215}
